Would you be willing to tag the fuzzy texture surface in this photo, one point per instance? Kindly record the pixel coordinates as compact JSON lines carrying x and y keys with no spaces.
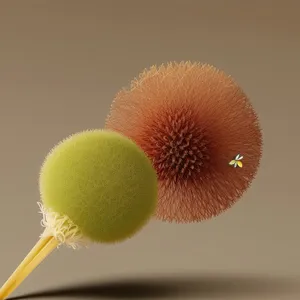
{"x":103,"y":182}
{"x":62,"y":229}
{"x":191,"y":119}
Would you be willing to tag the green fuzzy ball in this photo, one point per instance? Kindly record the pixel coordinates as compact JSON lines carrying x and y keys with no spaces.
{"x":103,"y":182}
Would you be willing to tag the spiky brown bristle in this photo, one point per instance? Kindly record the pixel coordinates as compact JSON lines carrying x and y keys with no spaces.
{"x":191,"y":120}
{"x":178,"y":148}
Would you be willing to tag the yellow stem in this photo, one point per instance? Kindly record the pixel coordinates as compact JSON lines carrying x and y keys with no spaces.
{"x":38,"y":253}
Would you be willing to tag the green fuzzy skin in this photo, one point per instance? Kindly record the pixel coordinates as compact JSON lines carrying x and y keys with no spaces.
{"x":103,"y":182}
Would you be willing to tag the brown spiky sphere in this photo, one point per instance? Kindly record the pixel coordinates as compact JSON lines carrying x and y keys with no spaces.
{"x":191,"y":119}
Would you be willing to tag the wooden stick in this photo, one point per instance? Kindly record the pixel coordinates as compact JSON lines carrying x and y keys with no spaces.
{"x":38,"y":253}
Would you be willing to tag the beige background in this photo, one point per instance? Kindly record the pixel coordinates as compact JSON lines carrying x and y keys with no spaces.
{"x":61,"y":63}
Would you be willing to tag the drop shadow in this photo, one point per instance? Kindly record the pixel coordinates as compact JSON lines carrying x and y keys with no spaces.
{"x":156,"y":287}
